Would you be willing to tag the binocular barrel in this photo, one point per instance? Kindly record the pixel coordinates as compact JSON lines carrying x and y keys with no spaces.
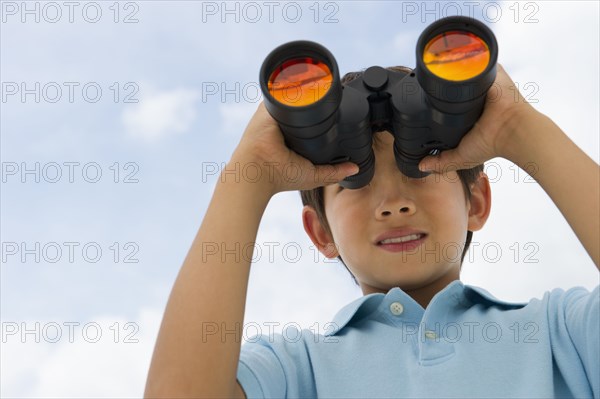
{"x":427,"y":111}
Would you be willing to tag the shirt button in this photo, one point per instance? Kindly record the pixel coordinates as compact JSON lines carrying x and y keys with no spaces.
{"x":430,"y":335}
{"x":396,"y":308}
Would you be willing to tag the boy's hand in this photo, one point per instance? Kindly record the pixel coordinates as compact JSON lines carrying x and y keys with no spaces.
{"x":490,"y":137}
{"x":280,"y":169}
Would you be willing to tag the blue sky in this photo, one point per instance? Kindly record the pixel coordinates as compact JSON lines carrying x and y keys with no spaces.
{"x":164,"y":143}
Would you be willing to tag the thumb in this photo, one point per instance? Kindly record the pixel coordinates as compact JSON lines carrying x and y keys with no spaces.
{"x":443,"y":162}
{"x":329,"y":174}
{"x":471,"y":151}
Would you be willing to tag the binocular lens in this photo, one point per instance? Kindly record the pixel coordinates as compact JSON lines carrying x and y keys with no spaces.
{"x":300,"y":81}
{"x":456,"y":55}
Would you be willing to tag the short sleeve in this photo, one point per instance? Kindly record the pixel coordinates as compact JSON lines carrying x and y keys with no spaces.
{"x":259,"y":371}
{"x":276,"y":366}
{"x":578,"y":322}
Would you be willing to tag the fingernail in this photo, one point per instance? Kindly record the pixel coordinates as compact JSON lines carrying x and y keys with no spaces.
{"x":424,"y":168}
{"x":354,"y":170}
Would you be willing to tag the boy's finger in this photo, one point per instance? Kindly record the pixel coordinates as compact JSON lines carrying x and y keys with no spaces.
{"x":445,"y":161}
{"x":330,"y":174}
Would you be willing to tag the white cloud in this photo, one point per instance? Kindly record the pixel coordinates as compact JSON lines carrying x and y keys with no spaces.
{"x":114,"y":366}
{"x":160,"y":114}
{"x":235,"y":117}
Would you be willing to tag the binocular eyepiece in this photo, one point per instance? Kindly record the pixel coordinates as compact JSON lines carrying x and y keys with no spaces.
{"x":427,"y":111}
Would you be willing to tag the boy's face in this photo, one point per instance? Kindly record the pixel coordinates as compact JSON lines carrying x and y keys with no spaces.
{"x":393,"y":206}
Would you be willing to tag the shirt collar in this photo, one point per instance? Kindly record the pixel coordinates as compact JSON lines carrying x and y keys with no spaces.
{"x":456,"y":290}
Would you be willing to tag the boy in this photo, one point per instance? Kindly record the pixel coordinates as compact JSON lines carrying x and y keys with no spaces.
{"x":421,"y":333}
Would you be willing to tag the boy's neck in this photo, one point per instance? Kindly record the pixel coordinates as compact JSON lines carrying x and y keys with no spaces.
{"x":423,"y":294}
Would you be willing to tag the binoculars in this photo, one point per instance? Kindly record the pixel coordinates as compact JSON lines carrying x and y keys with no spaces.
{"x":427,"y":111}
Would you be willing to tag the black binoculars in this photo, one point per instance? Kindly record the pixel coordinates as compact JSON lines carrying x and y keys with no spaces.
{"x":427,"y":111}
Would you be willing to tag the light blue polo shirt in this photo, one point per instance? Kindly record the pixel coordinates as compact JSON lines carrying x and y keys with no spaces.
{"x":466,"y":343}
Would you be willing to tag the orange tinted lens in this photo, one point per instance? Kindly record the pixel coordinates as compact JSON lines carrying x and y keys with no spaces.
{"x":300,"y":81}
{"x":456,"y":55}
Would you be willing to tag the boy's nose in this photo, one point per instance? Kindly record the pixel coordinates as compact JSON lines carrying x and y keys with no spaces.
{"x":389,"y":186}
{"x":396,"y":207}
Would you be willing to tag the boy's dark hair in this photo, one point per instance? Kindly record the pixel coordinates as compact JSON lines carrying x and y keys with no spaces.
{"x":316,"y":199}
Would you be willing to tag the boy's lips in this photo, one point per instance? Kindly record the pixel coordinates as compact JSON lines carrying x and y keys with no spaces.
{"x":403,"y":239}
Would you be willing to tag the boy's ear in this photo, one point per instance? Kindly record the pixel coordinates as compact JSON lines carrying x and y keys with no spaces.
{"x":318,"y":233}
{"x":480,"y":203}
